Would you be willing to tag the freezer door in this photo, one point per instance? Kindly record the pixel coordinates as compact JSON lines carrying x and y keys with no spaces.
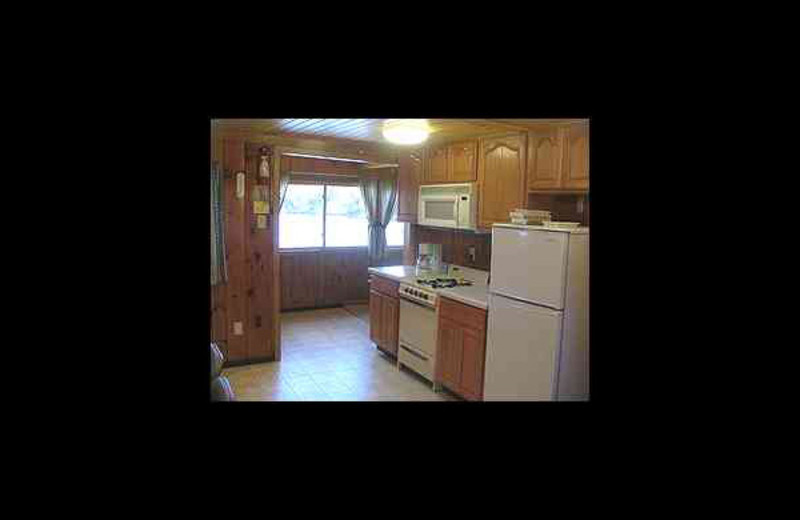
{"x":529,"y":265}
{"x":521,"y":351}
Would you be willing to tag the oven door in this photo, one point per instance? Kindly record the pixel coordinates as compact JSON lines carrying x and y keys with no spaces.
{"x":418,"y":326}
{"x":439,"y":211}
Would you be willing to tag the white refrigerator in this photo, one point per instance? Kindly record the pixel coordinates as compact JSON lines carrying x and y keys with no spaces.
{"x":537,"y":346}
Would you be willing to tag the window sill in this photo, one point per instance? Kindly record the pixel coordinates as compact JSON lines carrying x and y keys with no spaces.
{"x":324,"y":249}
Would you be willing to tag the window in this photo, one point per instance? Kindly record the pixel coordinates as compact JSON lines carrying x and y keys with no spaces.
{"x":301,"y":219}
{"x":395,"y":231}
{"x":345,"y":217}
{"x":329,"y":215}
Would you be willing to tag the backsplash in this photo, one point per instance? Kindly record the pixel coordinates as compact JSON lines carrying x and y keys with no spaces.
{"x":456,"y":246}
{"x":562,"y":206}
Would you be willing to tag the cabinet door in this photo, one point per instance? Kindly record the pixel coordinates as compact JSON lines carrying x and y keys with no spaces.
{"x":546,"y":152}
{"x":449,"y":354}
{"x":577,"y":171}
{"x":375,"y":317}
{"x":408,"y":185}
{"x":501,"y":175}
{"x":463,"y":161}
{"x":437,"y":165}
{"x":390,"y":324}
{"x":473,"y":346}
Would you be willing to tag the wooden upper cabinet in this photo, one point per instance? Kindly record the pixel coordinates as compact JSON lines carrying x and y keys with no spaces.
{"x":463,"y":161}
{"x":437,"y":162}
{"x":577,"y":171}
{"x":501,"y":176}
{"x":410,"y":173}
{"x":546,"y":157}
{"x":451,"y":163}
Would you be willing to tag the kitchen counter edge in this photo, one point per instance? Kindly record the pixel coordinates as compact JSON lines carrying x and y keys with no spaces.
{"x":474,"y":296}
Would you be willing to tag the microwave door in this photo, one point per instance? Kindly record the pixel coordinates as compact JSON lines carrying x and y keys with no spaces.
{"x":440,"y":211}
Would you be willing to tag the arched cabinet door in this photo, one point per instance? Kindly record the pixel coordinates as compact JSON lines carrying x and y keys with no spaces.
{"x":546,"y":157}
{"x":462,"y":166}
{"x":577,"y":170}
{"x":436,"y":170}
{"x":501,"y":177}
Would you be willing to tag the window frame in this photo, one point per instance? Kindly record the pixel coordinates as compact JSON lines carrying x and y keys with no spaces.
{"x":325,"y":247}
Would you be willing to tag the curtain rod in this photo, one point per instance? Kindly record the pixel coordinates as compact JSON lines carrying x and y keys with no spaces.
{"x":373,"y":166}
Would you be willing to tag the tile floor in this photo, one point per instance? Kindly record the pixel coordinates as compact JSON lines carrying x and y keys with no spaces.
{"x":327,"y":356}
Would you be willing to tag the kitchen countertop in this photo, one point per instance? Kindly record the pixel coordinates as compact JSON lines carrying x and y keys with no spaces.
{"x":398,"y":273}
{"x":476,"y":295}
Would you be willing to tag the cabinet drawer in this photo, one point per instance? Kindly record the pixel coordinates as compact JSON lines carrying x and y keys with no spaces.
{"x":470,"y":317}
{"x":384,"y":285}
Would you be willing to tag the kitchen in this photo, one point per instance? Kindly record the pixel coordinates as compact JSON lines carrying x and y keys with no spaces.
{"x":455,"y":268}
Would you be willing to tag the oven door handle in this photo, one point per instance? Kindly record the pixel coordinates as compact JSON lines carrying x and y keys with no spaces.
{"x":418,"y":304}
{"x":415,"y":353}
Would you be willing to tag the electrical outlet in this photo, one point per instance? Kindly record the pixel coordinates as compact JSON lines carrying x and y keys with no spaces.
{"x":237,"y":328}
{"x":471,"y":253}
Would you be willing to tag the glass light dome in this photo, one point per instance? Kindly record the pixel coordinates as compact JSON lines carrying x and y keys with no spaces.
{"x":406,"y":131}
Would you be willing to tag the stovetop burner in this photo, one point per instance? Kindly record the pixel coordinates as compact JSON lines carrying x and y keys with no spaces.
{"x":442,"y":283}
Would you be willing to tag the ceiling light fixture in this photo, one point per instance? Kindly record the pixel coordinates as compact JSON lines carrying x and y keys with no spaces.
{"x":406,"y":131}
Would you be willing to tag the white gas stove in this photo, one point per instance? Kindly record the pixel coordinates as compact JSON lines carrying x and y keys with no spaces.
{"x":418,"y":324}
{"x":423,"y":289}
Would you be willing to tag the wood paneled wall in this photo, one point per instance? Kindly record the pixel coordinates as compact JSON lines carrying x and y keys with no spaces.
{"x":455,"y":246}
{"x":319,"y":166}
{"x":326,"y":278}
{"x":247,"y":296}
{"x":251,"y":294}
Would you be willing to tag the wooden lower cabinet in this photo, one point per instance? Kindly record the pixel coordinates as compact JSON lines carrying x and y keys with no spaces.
{"x":390,"y":311}
{"x":375,"y":316}
{"x":384,"y":314}
{"x":449,"y":354}
{"x":461,"y":349}
{"x":473,"y":352}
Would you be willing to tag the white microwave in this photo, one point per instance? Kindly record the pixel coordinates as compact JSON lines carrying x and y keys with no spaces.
{"x":448,"y":205}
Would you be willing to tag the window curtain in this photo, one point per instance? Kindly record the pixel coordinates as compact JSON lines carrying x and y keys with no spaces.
{"x":283,"y":188}
{"x":219,"y":269}
{"x":379,"y":191}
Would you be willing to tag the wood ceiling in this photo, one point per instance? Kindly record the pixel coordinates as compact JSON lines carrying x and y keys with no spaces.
{"x":369,"y":130}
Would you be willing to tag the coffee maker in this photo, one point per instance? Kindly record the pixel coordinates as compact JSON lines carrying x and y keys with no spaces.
{"x":429,"y":259}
